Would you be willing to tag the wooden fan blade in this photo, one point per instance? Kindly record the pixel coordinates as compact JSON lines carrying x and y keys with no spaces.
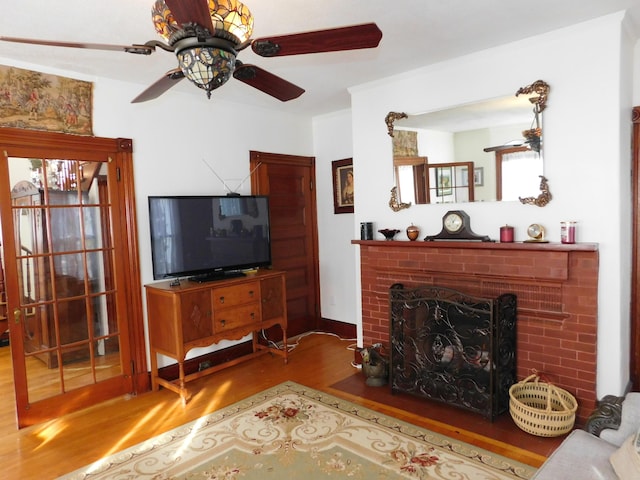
{"x":267,"y":82}
{"x":188,"y":11}
{"x":168,"y":80}
{"x":367,"y":35}
{"x":146,"y":49}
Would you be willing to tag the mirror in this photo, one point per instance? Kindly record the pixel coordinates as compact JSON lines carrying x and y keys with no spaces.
{"x":481,"y":152}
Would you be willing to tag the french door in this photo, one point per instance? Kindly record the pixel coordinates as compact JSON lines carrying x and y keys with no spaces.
{"x":73,"y":299}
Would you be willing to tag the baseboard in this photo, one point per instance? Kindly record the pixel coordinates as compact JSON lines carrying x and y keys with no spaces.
{"x":192,"y":365}
{"x":341,"y":329}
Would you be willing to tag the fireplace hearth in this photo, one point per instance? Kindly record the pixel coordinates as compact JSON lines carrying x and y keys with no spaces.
{"x":453,"y":348}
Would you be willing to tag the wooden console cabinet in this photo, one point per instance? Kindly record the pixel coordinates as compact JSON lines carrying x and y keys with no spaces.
{"x":191,"y":314}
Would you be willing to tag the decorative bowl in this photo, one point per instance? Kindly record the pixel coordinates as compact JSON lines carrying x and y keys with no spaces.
{"x":389,"y":233}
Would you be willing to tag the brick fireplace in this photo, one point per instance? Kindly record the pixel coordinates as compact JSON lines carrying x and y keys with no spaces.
{"x":556,"y":287}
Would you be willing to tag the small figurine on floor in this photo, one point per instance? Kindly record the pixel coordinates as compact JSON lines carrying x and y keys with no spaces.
{"x":375,"y":366}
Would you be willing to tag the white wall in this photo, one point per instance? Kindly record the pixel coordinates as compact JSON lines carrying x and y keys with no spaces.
{"x":338,"y":271}
{"x":174,"y":135}
{"x":587,"y":154}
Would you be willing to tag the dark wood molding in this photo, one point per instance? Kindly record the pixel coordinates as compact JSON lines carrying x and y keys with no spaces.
{"x":341,"y":329}
{"x":192,"y":365}
{"x":635,"y":263}
{"x":548,"y":247}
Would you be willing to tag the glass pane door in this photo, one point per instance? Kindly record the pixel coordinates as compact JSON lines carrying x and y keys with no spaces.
{"x":64,"y":255}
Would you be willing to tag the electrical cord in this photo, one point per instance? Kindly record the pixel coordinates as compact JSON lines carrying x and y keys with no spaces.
{"x":292,"y":346}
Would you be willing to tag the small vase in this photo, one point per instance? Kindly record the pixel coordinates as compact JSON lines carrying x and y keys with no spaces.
{"x":413,"y":232}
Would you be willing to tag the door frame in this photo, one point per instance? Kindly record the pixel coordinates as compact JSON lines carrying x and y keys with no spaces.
{"x":20,"y":143}
{"x":635,"y":275}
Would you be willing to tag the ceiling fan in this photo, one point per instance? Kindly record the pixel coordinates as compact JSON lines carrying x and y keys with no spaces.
{"x":206,"y":36}
{"x":532,"y":136}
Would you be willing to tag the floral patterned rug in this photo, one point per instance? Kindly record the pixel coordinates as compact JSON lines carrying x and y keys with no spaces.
{"x":292,"y":431}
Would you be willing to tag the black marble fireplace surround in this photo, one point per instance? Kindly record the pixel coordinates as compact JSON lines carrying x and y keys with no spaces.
{"x":453,"y":348}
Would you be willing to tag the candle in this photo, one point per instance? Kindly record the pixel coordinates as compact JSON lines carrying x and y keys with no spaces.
{"x":506,"y":234}
{"x":568,"y":232}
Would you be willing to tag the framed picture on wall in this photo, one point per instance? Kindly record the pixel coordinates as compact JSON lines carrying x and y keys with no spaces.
{"x":478,"y":176}
{"x":443,"y":179}
{"x":342,"y":171}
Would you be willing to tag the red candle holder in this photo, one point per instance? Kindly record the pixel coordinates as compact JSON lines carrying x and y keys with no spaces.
{"x":506,"y":234}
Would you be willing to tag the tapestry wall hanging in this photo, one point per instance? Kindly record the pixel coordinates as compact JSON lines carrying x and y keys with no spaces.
{"x":38,"y":101}
{"x":405,"y":143}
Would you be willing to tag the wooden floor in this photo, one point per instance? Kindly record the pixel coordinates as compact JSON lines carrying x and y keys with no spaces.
{"x":319,"y":361}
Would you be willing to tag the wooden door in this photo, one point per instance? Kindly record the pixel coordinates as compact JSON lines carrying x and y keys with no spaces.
{"x":72,"y":281}
{"x":289,"y":182}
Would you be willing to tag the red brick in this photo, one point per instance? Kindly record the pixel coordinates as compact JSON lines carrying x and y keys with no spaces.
{"x":559,"y":339}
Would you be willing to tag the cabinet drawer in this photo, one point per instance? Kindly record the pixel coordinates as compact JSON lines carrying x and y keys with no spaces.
{"x":235,"y":295}
{"x":231,"y":318}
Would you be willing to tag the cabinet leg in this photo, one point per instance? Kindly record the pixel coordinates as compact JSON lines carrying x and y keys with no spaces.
{"x":184,"y":393}
{"x":154,"y":372}
{"x":185,"y":396}
{"x":254,"y":341}
{"x":285,"y":348}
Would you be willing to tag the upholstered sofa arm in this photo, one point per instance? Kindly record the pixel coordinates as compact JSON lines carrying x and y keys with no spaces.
{"x":584,"y":454}
{"x":607,"y":415}
{"x":629,"y":421}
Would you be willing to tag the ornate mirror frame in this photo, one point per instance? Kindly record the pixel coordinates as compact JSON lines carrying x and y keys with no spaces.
{"x":540,"y":90}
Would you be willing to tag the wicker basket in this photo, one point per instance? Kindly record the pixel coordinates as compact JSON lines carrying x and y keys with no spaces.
{"x":542,"y":409}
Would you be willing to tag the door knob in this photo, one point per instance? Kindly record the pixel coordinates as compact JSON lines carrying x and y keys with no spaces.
{"x":17,"y":313}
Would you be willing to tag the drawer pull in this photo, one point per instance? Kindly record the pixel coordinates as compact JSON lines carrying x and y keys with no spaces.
{"x":252,"y":315}
{"x":223,"y":322}
{"x":222,"y":299}
{"x":251,"y":293}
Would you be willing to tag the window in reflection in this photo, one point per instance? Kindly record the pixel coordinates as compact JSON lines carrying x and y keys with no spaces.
{"x":519,"y":172}
{"x":451,"y":183}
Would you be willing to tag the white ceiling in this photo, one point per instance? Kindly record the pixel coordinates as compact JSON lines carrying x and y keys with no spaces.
{"x":416,"y":33}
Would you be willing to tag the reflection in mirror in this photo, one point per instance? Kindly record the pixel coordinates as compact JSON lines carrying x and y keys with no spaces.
{"x":486,"y":151}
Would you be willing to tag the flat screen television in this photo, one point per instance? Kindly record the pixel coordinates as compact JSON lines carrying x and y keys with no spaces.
{"x":208,"y":237}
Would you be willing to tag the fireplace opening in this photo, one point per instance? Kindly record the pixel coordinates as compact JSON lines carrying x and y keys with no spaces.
{"x":454,"y":348}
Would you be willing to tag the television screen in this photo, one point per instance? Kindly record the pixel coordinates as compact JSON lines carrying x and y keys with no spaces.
{"x":208,"y":236}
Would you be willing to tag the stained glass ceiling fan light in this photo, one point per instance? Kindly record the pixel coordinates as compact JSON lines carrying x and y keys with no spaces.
{"x":207,"y":58}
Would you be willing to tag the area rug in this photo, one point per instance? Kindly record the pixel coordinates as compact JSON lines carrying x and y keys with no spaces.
{"x":293,"y":431}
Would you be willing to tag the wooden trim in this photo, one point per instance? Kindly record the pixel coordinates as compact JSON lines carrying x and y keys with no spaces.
{"x":635,"y":263}
{"x":548,"y":247}
{"x":133,"y":287}
{"x":341,"y":329}
{"x":192,"y":365}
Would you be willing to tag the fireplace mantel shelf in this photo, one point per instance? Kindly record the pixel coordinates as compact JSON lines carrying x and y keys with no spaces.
{"x":549,"y":247}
